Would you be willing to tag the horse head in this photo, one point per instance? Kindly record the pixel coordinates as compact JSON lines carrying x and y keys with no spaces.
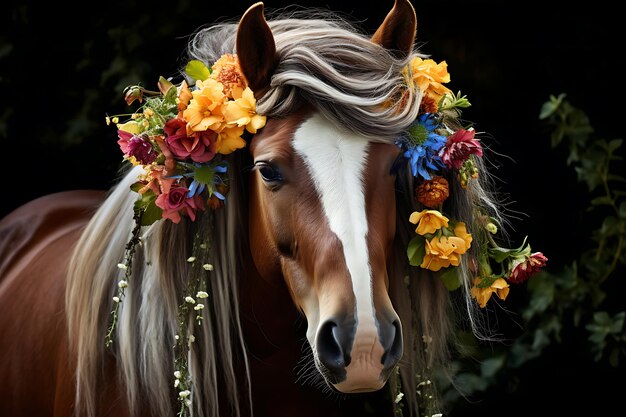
{"x":324,"y":217}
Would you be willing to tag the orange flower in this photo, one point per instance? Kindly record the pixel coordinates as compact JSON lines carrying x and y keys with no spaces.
{"x":205,"y":109}
{"x":229,"y":140}
{"x":433,"y":192}
{"x":242,"y":112}
{"x":429,"y":76}
{"x":461,"y":231}
{"x":428,"y":221}
{"x":500,"y":287}
{"x":441,"y":252}
{"x":227,"y":71}
{"x":184,"y":95}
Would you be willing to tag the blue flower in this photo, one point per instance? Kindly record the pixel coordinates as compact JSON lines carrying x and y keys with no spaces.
{"x":422,"y":146}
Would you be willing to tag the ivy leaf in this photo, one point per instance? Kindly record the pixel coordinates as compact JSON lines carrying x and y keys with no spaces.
{"x":137,"y":186}
{"x":197,"y":70}
{"x":550,"y":106}
{"x":416,"y":250}
{"x":603,"y":200}
{"x":451,"y":278}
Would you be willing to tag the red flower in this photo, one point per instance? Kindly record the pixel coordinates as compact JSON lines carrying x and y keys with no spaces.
{"x":142,"y":150}
{"x":526,"y":268}
{"x":125,"y":137}
{"x":201,"y":147}
{"x":458,"y":148}
{"x":176,"y":201}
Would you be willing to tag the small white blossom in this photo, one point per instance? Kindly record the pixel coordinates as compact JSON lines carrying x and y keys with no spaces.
{"x":176,"y":383}
{"x":203,"y":246}
{"x":202,"y":294}
{"x":399,"y":397}
{"x":198,"y":307}
{"x":190,"y":300}
{"x":192,"y":338}
{"x":176,"y":337}
{"x":188,"y":403}
{"x":191,"y":259}
{"x":122,"y":284}
{"x":122,"y":266}
{"x":177,"y":374}
{"x":437,"y":415}
{"x":184,"y":394}
{"x":116,"y":299}
{"x":208,"y":267}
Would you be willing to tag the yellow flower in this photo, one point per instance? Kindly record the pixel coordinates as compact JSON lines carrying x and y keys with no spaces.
{"x":229,"y":140}
{"x":242,"y":112}
{"x":441,"y":252}
{"x":461,"y":231}
{"x":205,"y":109}
{"x":428,"y":76}
{"x":428,"y":221}
{"x":500,"y":287}
{"x":130,"y":127}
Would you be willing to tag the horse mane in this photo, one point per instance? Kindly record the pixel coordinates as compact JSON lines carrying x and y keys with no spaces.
{"x":324,"y":62}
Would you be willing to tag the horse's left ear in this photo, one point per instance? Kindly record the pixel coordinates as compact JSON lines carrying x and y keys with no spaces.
{"x":256,"y":49}
{"x":397,"y":32}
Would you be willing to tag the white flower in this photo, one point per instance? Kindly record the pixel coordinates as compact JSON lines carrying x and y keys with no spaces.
{"x":203,"y":245}
{"x":116,"y":299}
{"x":191,"y":259}
{"x":184,"y":394}
{"x":437,"y":415}
{"x":202,"y":294}
{"x":399,"y":397}
{"x":190,"y":300}
{"x":208,"y":267}
{"x":122,"y":266}
{"x":122,"y":284}
{"x":176,"y":337}
{"x":177,"y":374}
{"x":188,"y":403}
{"x":198,"y":307}
{"x":192,"y":338}
{"x":176,"y":383}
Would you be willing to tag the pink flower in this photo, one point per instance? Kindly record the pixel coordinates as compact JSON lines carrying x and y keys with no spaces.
{"x":525,"y":268}
{"x":125,"y":137}
{"x":200,"y":147}
{"x":175,"y":201}
{"x":458,"y":148}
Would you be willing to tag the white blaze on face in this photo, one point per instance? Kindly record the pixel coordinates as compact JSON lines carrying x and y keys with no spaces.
{"x":335,"y":160}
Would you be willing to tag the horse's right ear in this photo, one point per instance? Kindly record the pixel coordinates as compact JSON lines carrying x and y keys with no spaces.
{"x":256,"y":49}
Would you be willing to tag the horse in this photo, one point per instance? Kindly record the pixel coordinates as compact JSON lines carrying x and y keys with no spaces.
{"x":312,"y":308}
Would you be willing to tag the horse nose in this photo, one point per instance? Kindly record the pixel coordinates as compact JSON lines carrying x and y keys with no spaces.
{"x":333,"y":347}
{"x":391,"y":337}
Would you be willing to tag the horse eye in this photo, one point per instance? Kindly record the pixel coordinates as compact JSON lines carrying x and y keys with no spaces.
{"x":269,"y":173}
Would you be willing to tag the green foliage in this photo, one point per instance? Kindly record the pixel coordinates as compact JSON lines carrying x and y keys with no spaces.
{"x":570,"y":296}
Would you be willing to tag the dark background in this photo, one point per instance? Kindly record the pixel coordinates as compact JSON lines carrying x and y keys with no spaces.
{"x":62,"y":71}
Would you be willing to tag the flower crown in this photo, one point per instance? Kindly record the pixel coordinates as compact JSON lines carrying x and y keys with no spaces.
{"x":435,"y":150}
{"x":179,"y":136}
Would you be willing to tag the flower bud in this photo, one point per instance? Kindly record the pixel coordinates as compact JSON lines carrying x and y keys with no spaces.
{"x":491,"y":228}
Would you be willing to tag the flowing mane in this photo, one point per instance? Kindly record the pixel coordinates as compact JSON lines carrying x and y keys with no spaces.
{"x":326,"y":63}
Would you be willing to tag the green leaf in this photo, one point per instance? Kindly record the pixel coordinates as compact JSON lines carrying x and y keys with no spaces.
{"x":603,"y":200}
{"x":451,"y":278}
{"x":490,"y":367}
{"x":614,"y":357}
{"x":204,"y":175}
{"x":151,"y":214}
{"x":416,"y":250}
{"x":618,"y":322}
{"x":550,"y":106}
{"x":137,"y":186}
{"x":197,"y":70}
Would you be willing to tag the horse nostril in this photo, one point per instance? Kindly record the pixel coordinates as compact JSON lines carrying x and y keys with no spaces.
{"x":393,"y":345}
{"x":329,"y":350}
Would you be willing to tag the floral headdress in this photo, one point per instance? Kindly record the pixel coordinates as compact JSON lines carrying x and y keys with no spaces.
{"x":438,"y":150}
{"x":179,"y":136}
